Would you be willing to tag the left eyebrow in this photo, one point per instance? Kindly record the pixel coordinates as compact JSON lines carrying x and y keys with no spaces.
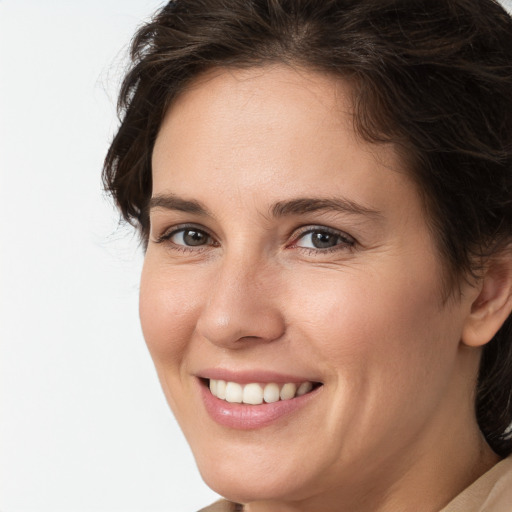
{"x":307,"y":205}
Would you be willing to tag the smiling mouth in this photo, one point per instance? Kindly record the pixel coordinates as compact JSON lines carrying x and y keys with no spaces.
{"x":256,"y":393}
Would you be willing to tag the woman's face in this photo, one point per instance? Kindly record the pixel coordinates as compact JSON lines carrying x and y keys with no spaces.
{"x":283,"y":251}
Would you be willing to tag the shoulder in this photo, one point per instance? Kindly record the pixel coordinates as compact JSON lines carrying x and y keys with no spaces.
{"x":492,"y":492}
{"x":222,"y":506}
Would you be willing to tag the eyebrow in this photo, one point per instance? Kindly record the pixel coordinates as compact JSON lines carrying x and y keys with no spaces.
{"x":297,"y":206}
{"x":173,"y":202}
{"x":307,"y":205}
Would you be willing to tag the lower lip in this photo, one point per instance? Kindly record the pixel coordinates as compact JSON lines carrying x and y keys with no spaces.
{"x":249,"y":417}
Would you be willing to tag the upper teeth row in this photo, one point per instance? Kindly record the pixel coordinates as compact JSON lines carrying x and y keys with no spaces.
{"x":255,"y":393}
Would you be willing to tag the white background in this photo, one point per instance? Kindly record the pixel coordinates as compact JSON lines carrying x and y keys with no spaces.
{"x":83,"y":423}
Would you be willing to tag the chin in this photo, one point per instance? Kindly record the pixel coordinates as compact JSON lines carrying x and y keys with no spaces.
{"x":244,"y":489}
{"x":249,"y":478}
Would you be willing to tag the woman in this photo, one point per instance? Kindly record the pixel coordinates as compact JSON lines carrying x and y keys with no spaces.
{"x":323,"y":189}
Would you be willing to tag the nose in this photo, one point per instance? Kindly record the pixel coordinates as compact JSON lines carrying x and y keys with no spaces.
{"x":241,"y":306}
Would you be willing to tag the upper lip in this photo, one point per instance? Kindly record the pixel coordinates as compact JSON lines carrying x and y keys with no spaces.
{"x":248,"y":376}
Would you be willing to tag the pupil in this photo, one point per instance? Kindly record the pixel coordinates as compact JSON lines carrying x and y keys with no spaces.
{"x":321,"y":240}
{"x":192,"y":237}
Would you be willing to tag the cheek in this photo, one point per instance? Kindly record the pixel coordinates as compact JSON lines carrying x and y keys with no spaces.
{"x":168,"y":305}
{"x":386,"y":348}
{"x":376,"y":326}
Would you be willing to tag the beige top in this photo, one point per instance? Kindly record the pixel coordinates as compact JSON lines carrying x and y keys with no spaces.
{"x":492,"y":492}
{"x":223,"y":506}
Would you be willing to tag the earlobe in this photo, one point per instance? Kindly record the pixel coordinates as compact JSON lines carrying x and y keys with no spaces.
{"x":492,"y":305}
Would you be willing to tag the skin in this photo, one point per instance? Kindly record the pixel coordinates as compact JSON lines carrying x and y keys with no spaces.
{"x":393,"y":426}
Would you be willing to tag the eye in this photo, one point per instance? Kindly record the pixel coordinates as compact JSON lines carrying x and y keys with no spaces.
{"x":323,"y":238}
{"x":190,"y":237}
{"x":187,"y":237}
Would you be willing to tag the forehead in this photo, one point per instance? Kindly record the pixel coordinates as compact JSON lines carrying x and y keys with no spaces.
{"x":293,"y":126}
{"x":254,"y":108}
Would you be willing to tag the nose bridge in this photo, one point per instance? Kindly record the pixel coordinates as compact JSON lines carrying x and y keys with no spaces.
{"x":240,"y":304}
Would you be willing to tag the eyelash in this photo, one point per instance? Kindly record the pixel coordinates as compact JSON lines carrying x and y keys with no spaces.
{"x":166,"y":237}
{"x":345,"y":241}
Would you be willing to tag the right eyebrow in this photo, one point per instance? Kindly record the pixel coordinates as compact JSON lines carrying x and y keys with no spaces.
{"x":173,"y":202}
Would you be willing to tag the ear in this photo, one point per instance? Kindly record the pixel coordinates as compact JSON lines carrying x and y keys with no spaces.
{"x":493,"y":303}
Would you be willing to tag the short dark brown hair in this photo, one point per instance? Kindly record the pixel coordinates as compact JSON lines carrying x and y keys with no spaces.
{"x":434,"y":77}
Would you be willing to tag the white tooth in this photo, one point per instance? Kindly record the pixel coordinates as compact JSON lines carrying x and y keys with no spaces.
{"x":234,"y":392}
{"x":253,"y":394}
{"x":271,"y":393}
{"x":288,"y":391}
{"x":304,"y":388}
{"x":213,"y":387}
{"x":221,"y":389}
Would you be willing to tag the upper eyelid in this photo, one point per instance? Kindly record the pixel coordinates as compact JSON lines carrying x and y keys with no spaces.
{"x":183,"y":226}
{"x":166,"y":234}
{"x":312,"y":228}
